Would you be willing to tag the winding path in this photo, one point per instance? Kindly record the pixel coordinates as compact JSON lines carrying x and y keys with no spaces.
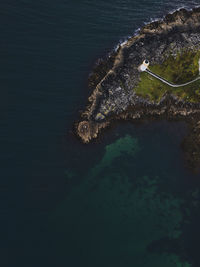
{"x":169,"y":83}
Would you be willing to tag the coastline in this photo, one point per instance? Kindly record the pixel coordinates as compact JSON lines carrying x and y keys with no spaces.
{"x":117,"y":66}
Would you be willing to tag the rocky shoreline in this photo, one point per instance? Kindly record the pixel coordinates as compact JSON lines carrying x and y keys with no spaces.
{"x":113,"y":81}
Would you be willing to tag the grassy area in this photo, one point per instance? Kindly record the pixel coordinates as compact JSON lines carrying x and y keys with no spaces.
{"x":180,"y":69}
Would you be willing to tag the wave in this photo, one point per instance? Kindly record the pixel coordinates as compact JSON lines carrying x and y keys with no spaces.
{"x":124,"y":40}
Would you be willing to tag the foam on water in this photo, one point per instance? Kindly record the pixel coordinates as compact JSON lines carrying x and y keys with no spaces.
{"x":124,"y":40}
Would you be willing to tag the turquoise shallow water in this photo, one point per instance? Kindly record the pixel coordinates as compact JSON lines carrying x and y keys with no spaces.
{"x":124,"y":200}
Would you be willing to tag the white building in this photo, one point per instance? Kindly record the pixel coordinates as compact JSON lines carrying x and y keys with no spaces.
{"x":144,"y":65}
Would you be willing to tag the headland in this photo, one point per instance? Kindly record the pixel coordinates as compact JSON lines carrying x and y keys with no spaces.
{"x":121,"y":91}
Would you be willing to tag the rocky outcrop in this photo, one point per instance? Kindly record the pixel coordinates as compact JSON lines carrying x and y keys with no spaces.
{"x":113,"y":80}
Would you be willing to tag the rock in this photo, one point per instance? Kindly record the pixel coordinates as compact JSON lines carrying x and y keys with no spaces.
{"x":113,"y":80}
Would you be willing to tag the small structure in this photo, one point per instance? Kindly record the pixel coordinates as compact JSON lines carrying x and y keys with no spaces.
{"x":144,"y":65}
{"x":144,"y":68}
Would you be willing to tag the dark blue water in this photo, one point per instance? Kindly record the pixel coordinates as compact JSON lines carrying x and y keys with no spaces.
{"x":125,"y":200}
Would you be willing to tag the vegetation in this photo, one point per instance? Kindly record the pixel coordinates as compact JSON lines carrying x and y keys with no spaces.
{"x":178,"y":70}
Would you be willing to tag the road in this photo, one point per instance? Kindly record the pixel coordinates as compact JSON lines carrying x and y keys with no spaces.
{"x":169,"y":83}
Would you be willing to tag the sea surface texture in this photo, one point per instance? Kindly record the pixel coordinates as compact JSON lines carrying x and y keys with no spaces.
{"x":127,"y":199}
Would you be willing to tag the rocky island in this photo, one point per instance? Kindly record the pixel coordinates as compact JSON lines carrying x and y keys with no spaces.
{"x":122,"y":91}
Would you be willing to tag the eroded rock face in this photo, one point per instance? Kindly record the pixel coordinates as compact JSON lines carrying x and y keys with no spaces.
{"x":114,"y":79}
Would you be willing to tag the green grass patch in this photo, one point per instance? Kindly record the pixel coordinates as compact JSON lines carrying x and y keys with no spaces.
{"x":178,"y":70}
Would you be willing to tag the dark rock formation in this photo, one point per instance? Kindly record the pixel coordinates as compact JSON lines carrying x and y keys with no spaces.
{"x":114,"y":79}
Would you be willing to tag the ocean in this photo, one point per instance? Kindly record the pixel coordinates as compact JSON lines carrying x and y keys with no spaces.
{"x":126,"y":199}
